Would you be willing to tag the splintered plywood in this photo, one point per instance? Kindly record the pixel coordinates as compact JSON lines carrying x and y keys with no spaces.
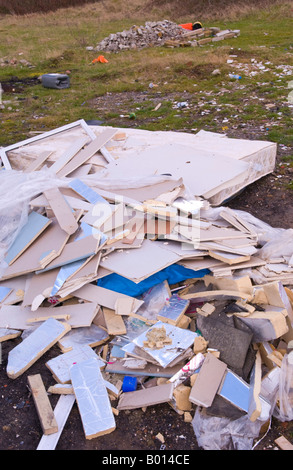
{"x":146,"y":397}
{"x":92,"y":399}
{"x":114,"y":323}
{"x":8,"y":333}
{"x":42,"y":404}
{"x":34,"y":346}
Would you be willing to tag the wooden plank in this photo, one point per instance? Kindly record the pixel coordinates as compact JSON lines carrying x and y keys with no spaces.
{"x":8,"y":333}
{"x":255,"y":382}
{"x":114,"y":323}
{"x":62,"y":210}
{"x":35,"y":225}
{"x":61,"y":412}
{"x":34,"y":346}
{"x":229,"y":258}
{"x":42,"y":404}
{"x":87,"y":152}
{"x":216,"y":294}
{"x":92,"y":399}
{"x":283,"y":443}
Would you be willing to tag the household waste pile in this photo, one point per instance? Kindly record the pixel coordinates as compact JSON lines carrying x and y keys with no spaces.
{"x":152,"y":294}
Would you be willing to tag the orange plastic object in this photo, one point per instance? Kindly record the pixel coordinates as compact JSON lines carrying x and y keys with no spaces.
{"x":101,"y":58}
{"x":187,"y":26}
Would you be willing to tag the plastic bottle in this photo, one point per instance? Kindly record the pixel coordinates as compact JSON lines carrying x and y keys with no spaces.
{"x":235,"y":76}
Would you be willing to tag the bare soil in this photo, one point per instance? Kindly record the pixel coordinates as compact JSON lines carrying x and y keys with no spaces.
{"x":268,"y":199}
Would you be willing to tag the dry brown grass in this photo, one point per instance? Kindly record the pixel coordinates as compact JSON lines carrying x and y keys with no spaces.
{"x":200,"y":10}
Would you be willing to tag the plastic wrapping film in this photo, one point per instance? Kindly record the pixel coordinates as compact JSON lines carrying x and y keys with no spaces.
{"x":284,"y":411}
{"x":265,"y":232}
{"x":218,"y":433}
{"x":16,"y":191}
{"x":260,"y":164}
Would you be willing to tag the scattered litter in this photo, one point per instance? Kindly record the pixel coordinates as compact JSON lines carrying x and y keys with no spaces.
{"x":116,"y":248}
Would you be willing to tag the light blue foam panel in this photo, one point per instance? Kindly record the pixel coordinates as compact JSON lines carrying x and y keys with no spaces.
{"x":34,"y":226}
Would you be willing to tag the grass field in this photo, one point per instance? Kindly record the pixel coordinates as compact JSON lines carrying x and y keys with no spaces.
{"x":56,"y":42}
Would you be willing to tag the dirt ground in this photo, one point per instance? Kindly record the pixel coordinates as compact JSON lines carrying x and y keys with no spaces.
{"x":268,"y":199}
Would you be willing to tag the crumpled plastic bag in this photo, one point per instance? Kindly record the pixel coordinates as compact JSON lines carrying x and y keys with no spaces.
{"x":220,"y":433}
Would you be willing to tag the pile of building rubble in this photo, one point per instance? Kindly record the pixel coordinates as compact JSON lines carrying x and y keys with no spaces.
{"x":160,"y":33}
{"x":117,"y":246}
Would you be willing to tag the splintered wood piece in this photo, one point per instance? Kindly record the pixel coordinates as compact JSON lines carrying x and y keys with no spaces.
{"x":283,"y":443}
{"x":114,"y":323}
{"x":62,"y":210}
{"x":42,"y":404}
{"x":92,"y":399}
{"x":61,"y":412}
{"x":255,"y":403}
{"x":34,"y":346}
{"x":8,"y":333}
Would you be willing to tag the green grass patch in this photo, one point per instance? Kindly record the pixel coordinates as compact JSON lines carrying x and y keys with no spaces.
{"x":57,"y":41}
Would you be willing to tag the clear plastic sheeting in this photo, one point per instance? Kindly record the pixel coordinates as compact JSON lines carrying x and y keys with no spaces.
{"x":284,"y":411}
{"x":265,"y":232}
{"x":16,"y":191}
{"x":218,"y":433}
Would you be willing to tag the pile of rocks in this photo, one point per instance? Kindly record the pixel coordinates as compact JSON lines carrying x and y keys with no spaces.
{"x":137,"y":37}
{"x":4,"y":62}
